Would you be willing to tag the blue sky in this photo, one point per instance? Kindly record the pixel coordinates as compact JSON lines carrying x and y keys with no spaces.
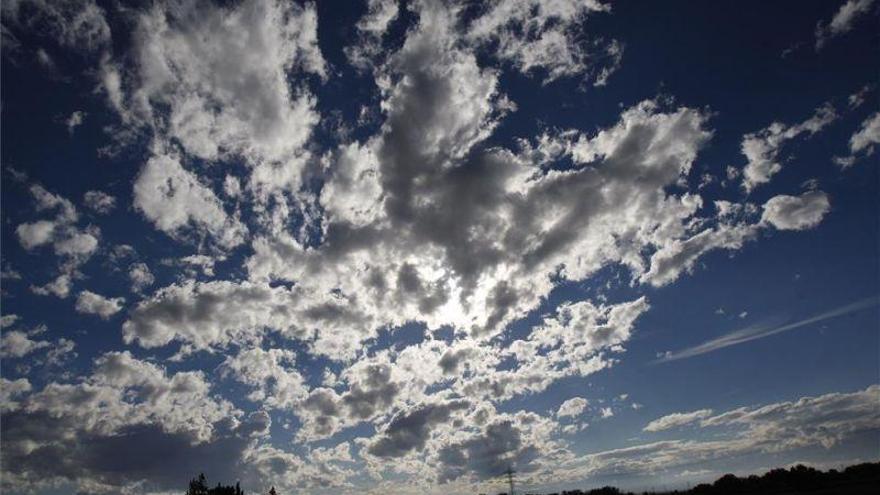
{"x":337,"y":247}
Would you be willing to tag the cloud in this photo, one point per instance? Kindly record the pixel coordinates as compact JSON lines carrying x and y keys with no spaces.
{"x":680,"y":256}
{"x":77,"y":24}
{"x":72,"y":243}
{"x":761,"y":330}
{"x":410,"y":430}
{"x":545,"y":35}
{"x":140,"y":276}
{"x":676,"y":420}
{"x":822,"y":421}
{"x":762,"y":148}
{"x":75,"y":120}
{"x":378,"y":293}
{"x":796,"y":212}
{"x":842,"y":22}
{"x":174,"y":199}
{"x":16,"y":344}
{"x":95,"y":304}
{"x":220,"y":95}
{"x":99,"y":202}
{"x":271,"y":373}
{"x":77,"y":432}
{"x":862,"y":141}
{"x":371,"y":28}
{"x":8,"y":320}
{"x":572,"y":407}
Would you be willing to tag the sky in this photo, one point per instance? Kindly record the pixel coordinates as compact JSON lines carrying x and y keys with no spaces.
{"x":403,"y":247}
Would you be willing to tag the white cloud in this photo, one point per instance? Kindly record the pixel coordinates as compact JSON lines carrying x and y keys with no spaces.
{"x":99,"y":201}
{"x":764,"y":329}
{"x":843,"y":20}
{"x":72,"y":243}
{"x":762,"y":148}
{"x":227,"y":95}
{"x":862,"y":142}
{"x":546,"y":35}
{"x":16,"y":344}
{"x":796,"y":212}
{"x":271,"y":373}
{"x":371,"y":28}
{"x":75,"y":120}
{"x":95,"y":304}
{"x":8,"y":320}
{"x":676,"y":420}
{"x":36,"y":234}
{"x":174,"y":199}
{"x":140,"y":276}
{"x":774,"y":428}
{"x":59,"y":287}
{"x":572,"y":407}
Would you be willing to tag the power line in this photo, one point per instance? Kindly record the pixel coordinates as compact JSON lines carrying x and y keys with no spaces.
{"x":509,"y":474}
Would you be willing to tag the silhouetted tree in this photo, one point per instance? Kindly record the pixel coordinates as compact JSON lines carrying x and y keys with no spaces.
{"x":199,"y":486}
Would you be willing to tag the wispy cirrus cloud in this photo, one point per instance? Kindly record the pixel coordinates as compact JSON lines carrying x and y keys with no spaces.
{"x":765,"y":329}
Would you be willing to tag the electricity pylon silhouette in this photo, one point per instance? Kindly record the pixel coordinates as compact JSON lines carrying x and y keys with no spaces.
{"x":509,"y":474}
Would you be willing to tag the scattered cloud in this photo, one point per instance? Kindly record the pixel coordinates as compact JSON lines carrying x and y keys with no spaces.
{"x":572,"y":407}
{"x":95,"y":304}
{"x":762,"y":148}
{"x":842,"y":21}
{"x":99,"y":202}
{"x":676,"y":420}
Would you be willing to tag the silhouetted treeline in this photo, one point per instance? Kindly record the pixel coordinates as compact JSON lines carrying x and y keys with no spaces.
{"x":199,"y":486}
{"x":854,"y":480}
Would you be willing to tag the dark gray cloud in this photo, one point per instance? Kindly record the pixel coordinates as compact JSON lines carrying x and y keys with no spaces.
{"x":410,"y":430}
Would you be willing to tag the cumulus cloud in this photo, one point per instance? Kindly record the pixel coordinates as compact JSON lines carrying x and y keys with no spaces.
{"x":863,"y":141}
{"x":762,"y":148}
{"x":174,"y":199}
{"x":271,"y":373}
{"x":140,"y":276}
{"x":545,"y":35}
{"x":8,"y":320}
{"x":99,"y":202}
{"x":371,"y":28}
{"x":312,"y":263}
{"x":16,"y":344}
{"x":95,"y":304}
{"x":81,"y":427}
{"x":72,"y":243}
{"x":796,"y":212}
{"x":572,"y":407}
{"x":410,"y":430}
{"x":226,"y":95}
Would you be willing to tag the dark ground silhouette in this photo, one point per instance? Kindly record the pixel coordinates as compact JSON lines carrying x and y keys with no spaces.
{"x":860,"y":479}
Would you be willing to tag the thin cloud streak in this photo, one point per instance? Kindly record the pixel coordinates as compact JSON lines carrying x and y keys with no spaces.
{"x":759,"y":331}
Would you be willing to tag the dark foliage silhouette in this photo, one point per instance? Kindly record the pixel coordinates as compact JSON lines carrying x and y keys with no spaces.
{"x":854,"y":480}
{"x":199,"y":486}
